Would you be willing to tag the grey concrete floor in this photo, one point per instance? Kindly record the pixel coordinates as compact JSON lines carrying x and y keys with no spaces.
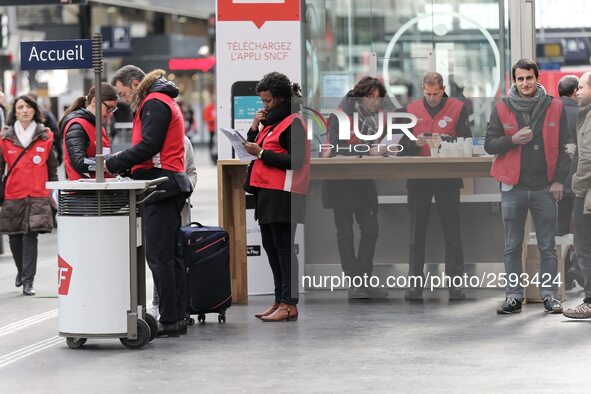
{"x":336,"y":346}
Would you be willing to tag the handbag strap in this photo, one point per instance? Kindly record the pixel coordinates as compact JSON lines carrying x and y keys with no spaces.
{"x":4,"y":178}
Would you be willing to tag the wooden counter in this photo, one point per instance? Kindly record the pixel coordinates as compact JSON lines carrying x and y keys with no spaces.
{"x":232,"y":207}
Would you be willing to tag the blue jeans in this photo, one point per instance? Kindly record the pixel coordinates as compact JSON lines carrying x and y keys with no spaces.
{"x":515,"y":204}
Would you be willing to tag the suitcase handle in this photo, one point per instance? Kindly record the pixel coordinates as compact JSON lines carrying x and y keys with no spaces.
{"x":195,"y":223}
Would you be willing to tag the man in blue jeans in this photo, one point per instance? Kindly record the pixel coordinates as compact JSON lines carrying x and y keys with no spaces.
{"x":528,"y":132}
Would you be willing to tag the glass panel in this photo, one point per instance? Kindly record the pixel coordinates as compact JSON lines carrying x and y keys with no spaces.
{"x":563,"y":41}
{"x":460,"y":40}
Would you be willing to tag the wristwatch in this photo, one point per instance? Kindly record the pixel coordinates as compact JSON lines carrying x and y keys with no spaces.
{"x":261,"y":153}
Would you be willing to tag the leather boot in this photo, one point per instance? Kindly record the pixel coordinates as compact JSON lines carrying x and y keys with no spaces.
{"x":268,"y":311}
{"x":285,"y":312}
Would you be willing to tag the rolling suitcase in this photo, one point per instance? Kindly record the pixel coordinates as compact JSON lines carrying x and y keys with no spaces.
{"x":206,"y":251}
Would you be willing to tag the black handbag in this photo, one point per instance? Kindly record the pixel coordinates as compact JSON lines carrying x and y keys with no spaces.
{"x":246,"y":185}
{"x":5,"y":176}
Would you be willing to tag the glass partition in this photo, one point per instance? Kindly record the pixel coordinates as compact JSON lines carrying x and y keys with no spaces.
{"x":400,"y":40}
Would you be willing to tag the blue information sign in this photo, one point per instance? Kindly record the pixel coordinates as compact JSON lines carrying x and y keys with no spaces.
{"x":54,"y":55}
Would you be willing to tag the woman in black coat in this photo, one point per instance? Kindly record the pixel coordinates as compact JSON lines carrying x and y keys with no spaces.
{"x":26,"y":152}
{"x":279,"y":182}
{"x":357,"y":198}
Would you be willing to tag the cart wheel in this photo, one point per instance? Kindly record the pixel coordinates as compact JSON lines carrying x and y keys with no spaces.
{"x":143,"y":336}
{"x":151,"y":320}
{"x":201,"y":318}
{"x":190,"y":321}
{"x":75,"y":342}
{"x":221,"y":318}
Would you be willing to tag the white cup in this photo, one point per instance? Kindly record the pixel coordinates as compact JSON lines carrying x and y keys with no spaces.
{"x":434,"y":152}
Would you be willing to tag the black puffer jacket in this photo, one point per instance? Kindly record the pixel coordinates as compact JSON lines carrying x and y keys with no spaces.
{"x":77,"y":140}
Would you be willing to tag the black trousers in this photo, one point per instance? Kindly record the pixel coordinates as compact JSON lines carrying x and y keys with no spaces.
{"x":583,"y":243}
{"x":24,"y":252}
{"x":448,"y":206}
{"x":278,"y":241}
{"x":362,"y":262}
{"x":162,"y":222}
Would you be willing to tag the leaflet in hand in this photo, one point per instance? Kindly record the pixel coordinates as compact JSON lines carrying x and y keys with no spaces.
{"x":237,"y":141}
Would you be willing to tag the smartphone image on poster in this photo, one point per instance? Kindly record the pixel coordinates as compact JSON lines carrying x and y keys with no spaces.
{"x":245,"y":103}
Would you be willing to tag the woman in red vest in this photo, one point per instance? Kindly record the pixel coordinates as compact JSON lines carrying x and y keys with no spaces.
{"x":279,"y":183}
{"x":79,"y":131}
{"x":27,"y":157}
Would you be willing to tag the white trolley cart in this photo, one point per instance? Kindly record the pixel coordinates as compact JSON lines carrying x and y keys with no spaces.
{"x":101,"y":258}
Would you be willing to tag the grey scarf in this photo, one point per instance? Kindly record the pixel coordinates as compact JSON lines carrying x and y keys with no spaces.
{"x":368,"y":120}
{"x":527,"y":105}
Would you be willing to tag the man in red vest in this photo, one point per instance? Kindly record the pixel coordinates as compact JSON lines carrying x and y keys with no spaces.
{"x":158,"y":151}
{"x":528,"y":133}
{"x":436,"y":114}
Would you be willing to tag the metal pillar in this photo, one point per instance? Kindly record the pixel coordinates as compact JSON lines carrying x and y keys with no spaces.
{"x":97,"y":64}
{"x":522,"y":26}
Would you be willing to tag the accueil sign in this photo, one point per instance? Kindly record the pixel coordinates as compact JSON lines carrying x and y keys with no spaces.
{"x":54,"y":55}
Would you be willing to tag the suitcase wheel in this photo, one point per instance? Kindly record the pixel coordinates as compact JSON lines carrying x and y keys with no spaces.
{"x":75,"y":342}
{"x":190,"y":321}
{"x":201,"y":318}
{"x":222,"y":318}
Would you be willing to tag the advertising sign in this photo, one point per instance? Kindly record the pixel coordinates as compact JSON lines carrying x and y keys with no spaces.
{"x":253,"y":38}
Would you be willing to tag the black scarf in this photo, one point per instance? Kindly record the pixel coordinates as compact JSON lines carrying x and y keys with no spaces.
{"x":277,"y":114}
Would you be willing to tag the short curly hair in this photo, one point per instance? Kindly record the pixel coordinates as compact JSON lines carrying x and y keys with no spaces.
{"x":279,"y":85}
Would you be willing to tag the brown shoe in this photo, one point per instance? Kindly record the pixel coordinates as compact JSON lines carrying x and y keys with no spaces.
{"x":285,"y":312}
{"x":269,"y":310}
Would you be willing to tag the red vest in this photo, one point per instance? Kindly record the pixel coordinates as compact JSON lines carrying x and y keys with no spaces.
{"x":267,"y":177}
{"x":89,"y":128}
{"x":172,"y":154}
{"x":29,"y":177}
{"x":444,"y":122}
{"x":507,"y":167}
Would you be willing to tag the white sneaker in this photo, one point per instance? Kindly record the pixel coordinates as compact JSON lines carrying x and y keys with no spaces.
{"x":582,"y":311}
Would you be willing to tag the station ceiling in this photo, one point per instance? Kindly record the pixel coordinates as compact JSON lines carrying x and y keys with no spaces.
{"x":191,"y":8}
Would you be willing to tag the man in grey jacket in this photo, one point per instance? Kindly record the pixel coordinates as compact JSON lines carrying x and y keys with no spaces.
{"x":581,"y":184}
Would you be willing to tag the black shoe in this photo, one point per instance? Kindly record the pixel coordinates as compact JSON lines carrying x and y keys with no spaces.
{"x":377,"y":293}
{"x":18,"y":282}
{"x":358,"y":293}
{"x":28,"y":289}
{"x":456,"y":294}
{"x":168,"y":330}
{"x":552,"y":305}
{"x":182,"y":327}
{"x":414,"y":294}
{"x":511,"y":305}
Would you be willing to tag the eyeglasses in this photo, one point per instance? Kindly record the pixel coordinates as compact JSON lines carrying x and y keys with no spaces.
{"x":110,"y":109}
